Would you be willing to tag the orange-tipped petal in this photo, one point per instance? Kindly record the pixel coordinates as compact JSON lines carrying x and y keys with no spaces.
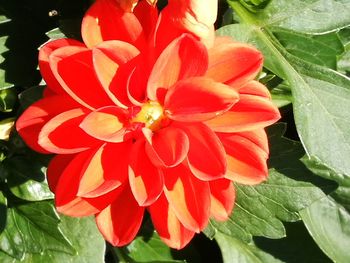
{"x":106,"y":124}
{"x":106,"y":20}
{"x":198,"y":99}
{"x":66,"y":199}
{"x":167,"y":147}
{"x":106,"y":170}
{"x":69,"y":62}
{"x":168,"y":226}
{"x":206,"y":156}
{"x":246,"y":157}
{"x":146,"y":180}
{"x":188,"y":196}
{"x":120,"y":221}
{"x":249,"y":113}
{"x":222,"y":195}
{"x":63,"y":135}
{"x":234,"y":63}
{"x":30,"y":123}
{"x":185,"y":57}
{"x":255,"y":88}
{"x":44,"y":64}
{"x":107,"y":57}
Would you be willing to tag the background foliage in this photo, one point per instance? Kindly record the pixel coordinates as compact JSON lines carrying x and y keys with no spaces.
{"x":301,"y":214}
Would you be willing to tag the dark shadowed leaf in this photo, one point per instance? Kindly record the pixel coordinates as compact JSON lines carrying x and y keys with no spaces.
{"x":26,"y":179}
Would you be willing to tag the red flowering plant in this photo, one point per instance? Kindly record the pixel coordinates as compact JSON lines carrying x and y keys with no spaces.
{"x":151,"y":112}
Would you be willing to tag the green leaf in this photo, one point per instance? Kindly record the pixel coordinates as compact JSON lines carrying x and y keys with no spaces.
{"x":281,"y":95}
{"x":31,"y":95}
{"x":260,"y":210}
{"x":329,"y":224}
{"x":85,"y":238}
{"x":297,"y":246}
{"x":149,"y":249}
{"x":26,"y":179}
{"x":321,"y":98}
{"x":32,"y":228}
{"x":8,"y":98}
{"x":320,"y":49}
{"x":3,"y":211}
{"x":332,"y":233}
{"x":234,"y":250}
{"x":55,"y":33}
{"x":307,"y":16}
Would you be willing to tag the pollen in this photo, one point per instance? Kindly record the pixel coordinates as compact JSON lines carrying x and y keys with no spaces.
{"x":151,"y":114}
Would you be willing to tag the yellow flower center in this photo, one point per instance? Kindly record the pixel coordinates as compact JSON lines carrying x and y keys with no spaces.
{"x":151,"y":114}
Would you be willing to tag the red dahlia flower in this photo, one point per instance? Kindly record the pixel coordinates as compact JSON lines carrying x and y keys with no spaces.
{"x":164,"y":126}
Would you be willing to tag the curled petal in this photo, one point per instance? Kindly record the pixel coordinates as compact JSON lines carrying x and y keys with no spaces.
{"x":234,"y":63}
{"x":66,"y":199}
{"x":146,"y":181}
{"x":198,"y":99}
{"x":188,"y":196}
{"x":106,"y":20}
{"x":120,"y":221}
{"x":222,"y":196}
{"x":168,"y":226}
{"x":246,"y":157}
{"x":44,"y":64}
{"x":30,"y":123}
{"x":167,"y":147}
{"x":249,"y":113}
{"x":106,"y":170}
{"x":206,"y":156}
{"x":106,"y":124}
{"x":69,"y":62}
{"x":107,"y":57}
{"x":184,"y":57}
{"x":63,"y":135}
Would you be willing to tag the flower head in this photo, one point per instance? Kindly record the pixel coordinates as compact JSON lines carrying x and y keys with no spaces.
{"x":144,"y":119}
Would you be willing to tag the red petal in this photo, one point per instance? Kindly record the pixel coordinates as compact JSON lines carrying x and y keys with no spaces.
{"x":56,"y":168}
{"x":222,"y":199}
{"x":206,"y":156}
{"x":198,"y":99}
{"x":184,"y":57}
{"x":146,"y":181}
{"x":169,"y":228}
{"x":105,"y":20}
{"x":120,"y":221}
{"x":107,"y":57}
{"x":106,"y":124}
{"x":66,"y":199}
{"x":188,"y":196}
{"x":168,"y":147}
{"x":30,"y":123}
{"x":249,"y":113}
{"x":73,"y":68}
{"x":63,"y":135}
{"x":189,"y":16}
{"x":246,"y":160}
{"x":147,"y":15}
{"x":44,"y":65}
{"x":236,"y":63}
{"x":105,"y":171}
